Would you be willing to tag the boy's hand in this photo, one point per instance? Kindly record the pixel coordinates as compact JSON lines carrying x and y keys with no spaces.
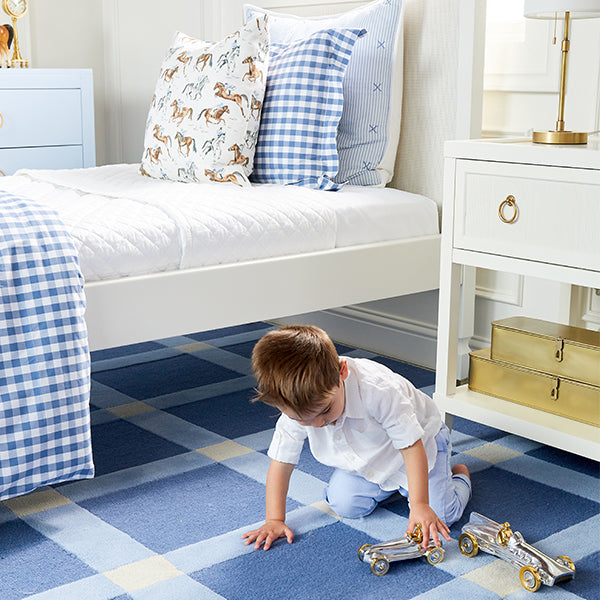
{"x":431,"y":524}
{"x":268,"y":533}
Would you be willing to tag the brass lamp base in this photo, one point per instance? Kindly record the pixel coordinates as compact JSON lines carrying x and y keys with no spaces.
{"x":560,"y":137}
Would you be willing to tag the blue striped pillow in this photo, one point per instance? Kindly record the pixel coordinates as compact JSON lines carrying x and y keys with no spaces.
{"x":369,"y":129}
{"x":301,"y":110}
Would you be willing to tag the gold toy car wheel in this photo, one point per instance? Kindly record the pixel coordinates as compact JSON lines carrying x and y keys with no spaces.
{"x":530,"y":578}
{"x":362,"y":550}
{"x":435,"y":556}
{"x":468,"y":544}
{"x":379,"y":566}
{"x":565,"y":561}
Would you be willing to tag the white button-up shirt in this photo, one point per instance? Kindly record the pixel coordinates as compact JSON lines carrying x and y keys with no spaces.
{"x":383,"y":413}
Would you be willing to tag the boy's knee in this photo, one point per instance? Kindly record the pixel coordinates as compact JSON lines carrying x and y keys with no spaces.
{"x":350,"y":507}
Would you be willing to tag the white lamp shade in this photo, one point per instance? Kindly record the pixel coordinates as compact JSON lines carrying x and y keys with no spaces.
{"x":547,"y":9}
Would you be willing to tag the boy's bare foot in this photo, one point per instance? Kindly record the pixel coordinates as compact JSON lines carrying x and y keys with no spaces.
{"x":460,"y":470}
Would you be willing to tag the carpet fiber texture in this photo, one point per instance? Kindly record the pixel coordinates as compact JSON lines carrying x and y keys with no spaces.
{"x":180,"y":457}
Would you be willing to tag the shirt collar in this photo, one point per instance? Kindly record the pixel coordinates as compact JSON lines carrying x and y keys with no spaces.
{"x":352,"y":406}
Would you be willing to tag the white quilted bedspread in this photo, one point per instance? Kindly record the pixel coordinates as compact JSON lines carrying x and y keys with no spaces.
{"x":124,"y":224}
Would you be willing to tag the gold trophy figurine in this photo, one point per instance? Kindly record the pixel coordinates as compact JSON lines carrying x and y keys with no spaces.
{"x":16,"y":9}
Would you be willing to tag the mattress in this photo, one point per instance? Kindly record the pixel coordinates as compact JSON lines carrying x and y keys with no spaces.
{"x":124,"y":224}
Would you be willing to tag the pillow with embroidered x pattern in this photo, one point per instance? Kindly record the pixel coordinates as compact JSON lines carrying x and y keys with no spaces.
{"x":302,"y":108}
{"x":204,"y":118}
{"x":369,"y":128}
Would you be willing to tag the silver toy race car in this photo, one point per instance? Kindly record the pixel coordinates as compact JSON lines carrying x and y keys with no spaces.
{"x":379,"y":556}
{"x":481,"y":533}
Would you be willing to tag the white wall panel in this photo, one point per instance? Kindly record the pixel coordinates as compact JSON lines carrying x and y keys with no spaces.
{"x":522,"y":72}
{"x":224,"y":17}
{"x":585,"y":308}
{"x":137,"y":34}
{"x":69,"y":34}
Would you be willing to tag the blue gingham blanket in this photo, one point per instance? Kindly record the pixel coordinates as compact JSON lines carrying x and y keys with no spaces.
{"x":44,"y":357}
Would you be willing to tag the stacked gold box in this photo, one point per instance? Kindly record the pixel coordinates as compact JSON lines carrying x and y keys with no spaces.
{"x":551,"y":367}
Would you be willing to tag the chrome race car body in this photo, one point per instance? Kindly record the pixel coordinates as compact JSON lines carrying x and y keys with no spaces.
{"x":481,"y":533}
{"x":379,"y":556}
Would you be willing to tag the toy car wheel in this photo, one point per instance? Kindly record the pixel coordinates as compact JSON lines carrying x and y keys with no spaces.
{"x":435,"y":556}
{"x":530,"y":578}
{"x":362,"y":551}
{"x":379,"y":566}
{"x":565,"y":561}
{"x":468,"y":544}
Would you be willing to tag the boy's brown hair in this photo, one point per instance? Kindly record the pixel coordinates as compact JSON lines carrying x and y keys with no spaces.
{"x":296,"y":366}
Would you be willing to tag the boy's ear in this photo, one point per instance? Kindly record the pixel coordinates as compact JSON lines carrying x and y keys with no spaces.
{"x":343,"y":368}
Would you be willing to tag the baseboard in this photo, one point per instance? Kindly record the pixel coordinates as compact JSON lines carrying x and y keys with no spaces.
{"x":478,"y":342}
{"x":407,"y":340}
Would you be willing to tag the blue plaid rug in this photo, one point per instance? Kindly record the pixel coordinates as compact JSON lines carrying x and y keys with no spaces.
{"x":181,"y":465}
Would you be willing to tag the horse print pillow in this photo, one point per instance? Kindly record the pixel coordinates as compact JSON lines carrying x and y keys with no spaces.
{"x":204,"y":117}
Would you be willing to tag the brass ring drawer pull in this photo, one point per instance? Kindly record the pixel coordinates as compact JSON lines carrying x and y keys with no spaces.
{"x":2,"y":173}
{"x":511,"y":203}
{"x":1,"y":120}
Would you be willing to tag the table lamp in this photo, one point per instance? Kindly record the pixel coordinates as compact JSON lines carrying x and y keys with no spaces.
{"x":567,"y":10}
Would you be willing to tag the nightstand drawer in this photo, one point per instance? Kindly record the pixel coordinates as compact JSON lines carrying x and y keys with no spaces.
{"x":50,"y":157}
{"x":546,"y":214}
{"x":40,"y":117}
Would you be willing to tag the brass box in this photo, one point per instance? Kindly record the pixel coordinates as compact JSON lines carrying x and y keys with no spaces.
{"x":564,"y":397}
{"x":560,"y":350}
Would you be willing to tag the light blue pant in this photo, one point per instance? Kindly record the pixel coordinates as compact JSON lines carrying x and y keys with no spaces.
{"x":353,"y":496}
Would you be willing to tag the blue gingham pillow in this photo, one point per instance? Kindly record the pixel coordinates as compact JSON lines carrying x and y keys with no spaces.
{"x":369,"y":129}
{"x":301,"y":110}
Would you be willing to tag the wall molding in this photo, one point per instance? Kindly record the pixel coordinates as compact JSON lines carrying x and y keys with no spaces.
{"x":499,"y":133}
{"x":520,"y":56}
{"x":112,"y":81}
{"x":585,"y":307}
{"x":512,"y":295}
{"x":597,"y":119}
{"x":380,"y":319}
{"x":391,"y":335}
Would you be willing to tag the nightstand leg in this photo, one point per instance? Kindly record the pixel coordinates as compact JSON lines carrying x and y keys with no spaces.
{"x":448,"y":327}
{"x":466,"y":322}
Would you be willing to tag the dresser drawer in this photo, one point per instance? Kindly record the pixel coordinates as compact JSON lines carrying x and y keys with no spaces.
{"x":531,"y":212}
{"x":40,"y":117}
{"x":51,"y":157}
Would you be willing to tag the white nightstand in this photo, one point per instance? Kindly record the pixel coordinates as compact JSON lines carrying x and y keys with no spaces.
{"x":46,"y":119}
{"x":550,"y":230}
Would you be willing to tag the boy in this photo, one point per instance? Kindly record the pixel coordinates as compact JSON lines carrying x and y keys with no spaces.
{"x":380,"y":433}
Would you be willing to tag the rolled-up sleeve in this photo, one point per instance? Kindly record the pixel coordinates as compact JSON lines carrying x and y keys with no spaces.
{"x":287,"y":441}
{"x":392,"y":405}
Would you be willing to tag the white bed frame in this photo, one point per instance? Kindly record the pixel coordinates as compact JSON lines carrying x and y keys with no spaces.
{"x":443,"y":70}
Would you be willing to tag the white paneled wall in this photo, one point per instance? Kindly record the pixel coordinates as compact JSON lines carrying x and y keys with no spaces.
{"x":225,"y":16}
{"x":523,"y":71}
{"x":124,"y":41}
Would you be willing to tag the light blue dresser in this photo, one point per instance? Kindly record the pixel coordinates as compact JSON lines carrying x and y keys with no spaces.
{"x":46,"y":119}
